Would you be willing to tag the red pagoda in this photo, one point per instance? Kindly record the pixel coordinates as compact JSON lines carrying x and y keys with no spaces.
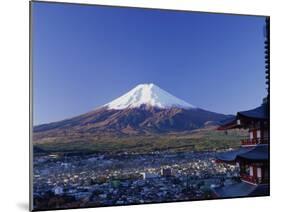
{"x":252,"y":157}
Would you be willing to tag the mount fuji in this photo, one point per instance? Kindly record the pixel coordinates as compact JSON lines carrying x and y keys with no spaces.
{"x":146,"y":109}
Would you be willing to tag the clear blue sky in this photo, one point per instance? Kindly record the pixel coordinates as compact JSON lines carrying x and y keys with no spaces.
{"x":85,"y":56}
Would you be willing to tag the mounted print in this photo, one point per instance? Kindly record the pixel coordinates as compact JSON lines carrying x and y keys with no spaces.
{"x":136,"y":106}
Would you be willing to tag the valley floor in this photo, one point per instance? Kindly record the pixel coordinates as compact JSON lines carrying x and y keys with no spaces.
{"x":207,"y":139}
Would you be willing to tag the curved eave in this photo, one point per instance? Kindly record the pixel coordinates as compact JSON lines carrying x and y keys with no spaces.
{"x":240,"y":115}
{"x":242,"y":189}
{"x":229,"y":125}
{"x":257,"y":153}
{"x":231,"y":156}
{"x":259,"y":113}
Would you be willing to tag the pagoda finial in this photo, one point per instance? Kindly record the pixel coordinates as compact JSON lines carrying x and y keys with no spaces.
{"x":267,"y":55}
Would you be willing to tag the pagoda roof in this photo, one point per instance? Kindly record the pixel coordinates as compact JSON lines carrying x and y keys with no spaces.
{"x":260,"y":152}
{"x":260,"y":112}
{"x":242,"y":189}
{"x":256,"y":153}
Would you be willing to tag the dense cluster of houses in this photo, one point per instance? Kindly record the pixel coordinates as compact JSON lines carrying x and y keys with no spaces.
{"x":130,"y":179}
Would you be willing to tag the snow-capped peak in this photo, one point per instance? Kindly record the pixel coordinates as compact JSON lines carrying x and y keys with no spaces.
{"x":149,"y":95}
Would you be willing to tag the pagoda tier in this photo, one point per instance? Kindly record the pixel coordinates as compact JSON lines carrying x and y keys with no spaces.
{"x":254,"y":173}
{"x":256,"y":121}
{"x":252,"y":157}
{"x":255,"y":118}
{"x":252,"y":161}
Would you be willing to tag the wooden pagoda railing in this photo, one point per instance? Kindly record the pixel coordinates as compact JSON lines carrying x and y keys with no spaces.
{"x":253,"y":179}
{"x":254,"y":141}
{"x":249,"y":178}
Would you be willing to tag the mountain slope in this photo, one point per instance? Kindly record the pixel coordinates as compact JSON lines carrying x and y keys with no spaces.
{"x":146,"y":109}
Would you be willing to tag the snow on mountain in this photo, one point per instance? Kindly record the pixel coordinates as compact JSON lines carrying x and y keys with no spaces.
{"x":163,"y":113}
{"x":149,"y":95}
